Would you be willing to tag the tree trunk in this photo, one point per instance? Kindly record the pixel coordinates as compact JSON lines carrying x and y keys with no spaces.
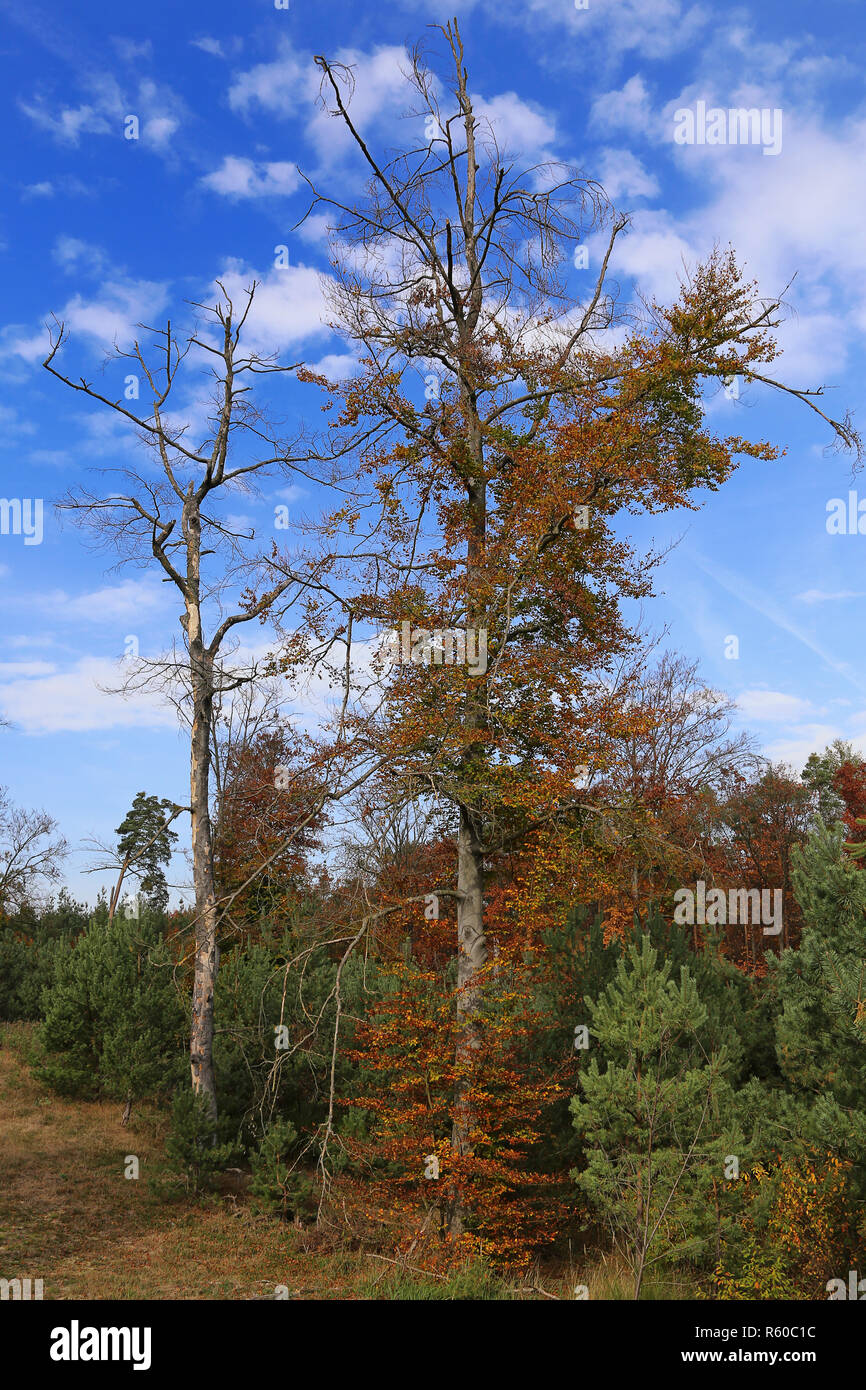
{"x":471,"y":937}
{"x":201,"y":671}
{"x":471,"y":958}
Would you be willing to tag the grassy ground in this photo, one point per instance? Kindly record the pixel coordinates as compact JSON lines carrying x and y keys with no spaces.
{"x":69,"y":1216}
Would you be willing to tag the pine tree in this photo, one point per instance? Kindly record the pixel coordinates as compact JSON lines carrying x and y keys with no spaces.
{"x":279,"y":1184}
{"x":113,"y":1022}
{"x":145,"y":844}
{"x":191,"y":1149}
{"x":657,"y":1121}
{"x":821,"y":1025}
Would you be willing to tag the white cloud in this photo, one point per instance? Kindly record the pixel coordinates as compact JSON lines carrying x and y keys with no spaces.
{"x":130,"y":50}
{"x":601,"y":33}
{"x":653,"y":252}
{"x":12,"y":425}
{"x":51,"y":458}
{"x":71,"y":253}
{"x":69,"y":124}
{"x":336,"y":366}
{"x":275,"y":86}
{"x":380,"y":98}
{"x":772,"y":705}
{"x":159,"y":110}
{"x":795,"y":221}
{"x":777,"y":613}
{"x":124,"y":602}
{"x":376,"y":93}
{"x":12,"y":669}
{"x":797,"y":215}
{"x":804,"y":215}
{"x":64,"y":183}
{"x":239,"y":522}
{"x":654,"y":28}
{"x":288,"y":308}
{"x":623,"y":175}
{"x":242,"y":178}
{"x":114,"y":315}
{"x":29,"y":640}
{"x":519,"y":127}
{"x":110,"y":316}
{"x":820,"y":596}
{"x":627,"y":108}
{"x":158,"y":130}
{"x":317,"y":228}
{"x":208,"y":45}
{"x":803,"y":740}
{"x":54,"y":701}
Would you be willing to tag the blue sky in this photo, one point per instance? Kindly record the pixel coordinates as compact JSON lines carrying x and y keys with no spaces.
{"x":107,"y":232}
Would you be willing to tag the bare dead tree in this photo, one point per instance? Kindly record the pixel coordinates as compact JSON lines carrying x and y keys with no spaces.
{"x":168,"y":515}
{"x":31,"y":853}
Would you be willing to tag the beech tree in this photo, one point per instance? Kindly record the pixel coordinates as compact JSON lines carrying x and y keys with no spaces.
{"x":264,"y":831}
{"x":667,"y":769}
{"x":485,"y":513}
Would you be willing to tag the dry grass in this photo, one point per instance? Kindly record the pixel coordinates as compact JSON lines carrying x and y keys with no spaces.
{"x":70,"y":1217}
{"x":607,"y":1278}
